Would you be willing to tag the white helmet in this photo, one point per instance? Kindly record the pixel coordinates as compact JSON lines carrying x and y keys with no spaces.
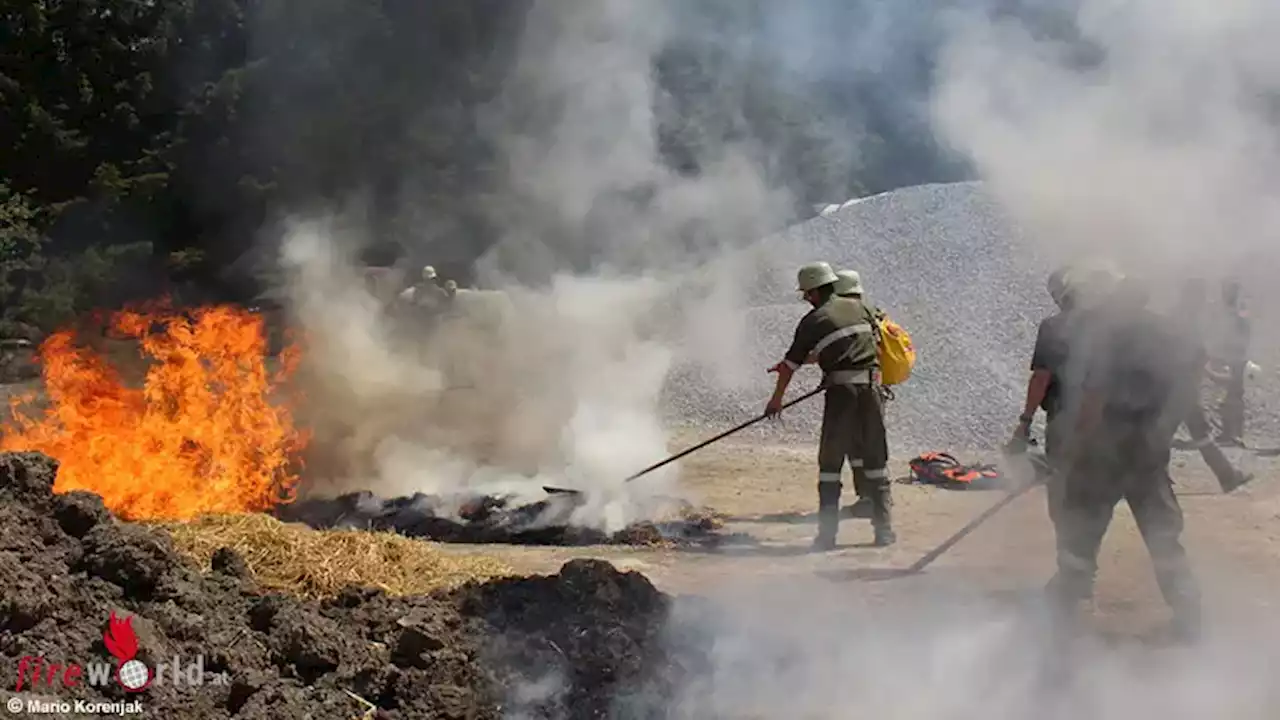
{"x":428,"y":273}
{"x":815,"y":275}
{"x":849,"y":283}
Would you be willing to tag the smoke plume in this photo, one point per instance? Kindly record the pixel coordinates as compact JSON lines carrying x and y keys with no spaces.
{"x":553,"y":378}
{"x":1145,"y":131}
{"x":937,"y":649}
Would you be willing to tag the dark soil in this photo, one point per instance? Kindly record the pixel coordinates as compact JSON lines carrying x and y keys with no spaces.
{"x":489,"y":519}
{"x":588,"y":642}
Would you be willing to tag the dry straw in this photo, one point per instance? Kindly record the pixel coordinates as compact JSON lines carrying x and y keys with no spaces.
{"x":296,"y":559}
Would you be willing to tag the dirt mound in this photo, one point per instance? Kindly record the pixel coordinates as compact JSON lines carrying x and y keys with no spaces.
{"x":490,"y":519}
{"x":563,"y":646}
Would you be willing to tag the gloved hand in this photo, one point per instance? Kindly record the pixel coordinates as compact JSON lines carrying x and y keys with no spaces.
{"x":1021,"y":439}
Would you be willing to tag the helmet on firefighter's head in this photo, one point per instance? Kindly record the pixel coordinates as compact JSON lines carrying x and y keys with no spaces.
{"x":450,"y":287}
{"x":1059,"y":287}
{"x":848,"y":282}
{"x":1132,"y":292}
{"x":814,"y":276}
{"x":1096,"y":282}
{"x":428,"y":273}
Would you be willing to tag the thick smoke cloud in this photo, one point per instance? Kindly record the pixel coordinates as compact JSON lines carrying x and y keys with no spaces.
{"x":1142,"y":136}
{"x":1143,"y":132}
{"x":938,"y":649}
{"x":585,"y":184}
{"x":556,"y":378}
{"x":1148,"y":133}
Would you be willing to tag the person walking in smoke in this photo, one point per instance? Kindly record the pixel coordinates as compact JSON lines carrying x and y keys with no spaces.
{"x":1188,"y":312}
{"x":1044,"y":387}
{"x":426,"y":293}
{"x":1236,"y":357}
{"x":841,"y":333}
{"x":1130,"y":368}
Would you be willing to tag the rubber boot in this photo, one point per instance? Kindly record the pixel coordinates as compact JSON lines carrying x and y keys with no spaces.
{"x":1228,"y":477}
{"x":1187,"y":625}
{"x":882,"y":514}
{"x":862,"y":508}
{"x":828,"y":516}
{"x":1238,"y":480}
{"x":1182,"y":593}
{"x":1232,"y":410}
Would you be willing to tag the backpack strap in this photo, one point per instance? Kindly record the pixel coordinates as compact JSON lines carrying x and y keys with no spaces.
{"x":875,"y":334}
{"x":938,"y":457}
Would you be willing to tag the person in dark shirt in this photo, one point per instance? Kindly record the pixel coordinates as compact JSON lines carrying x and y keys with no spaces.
{"x":1134,"y":394}
{"x":841,"y":333}
{"x":1044,"y":387}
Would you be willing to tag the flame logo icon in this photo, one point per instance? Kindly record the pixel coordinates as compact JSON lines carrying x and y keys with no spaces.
{"x":133,"y":675}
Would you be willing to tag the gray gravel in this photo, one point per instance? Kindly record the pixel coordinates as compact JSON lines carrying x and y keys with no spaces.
{"x":946,"y":263}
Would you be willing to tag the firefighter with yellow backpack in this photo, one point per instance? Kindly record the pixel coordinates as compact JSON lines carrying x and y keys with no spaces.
{"x":897,"y":359}
{"x":897,"y":354}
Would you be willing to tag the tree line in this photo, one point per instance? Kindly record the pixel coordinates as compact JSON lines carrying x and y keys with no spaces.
{"x":144,"y":145}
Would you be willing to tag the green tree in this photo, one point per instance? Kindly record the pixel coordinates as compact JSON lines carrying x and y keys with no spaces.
{"x":20,"y":258}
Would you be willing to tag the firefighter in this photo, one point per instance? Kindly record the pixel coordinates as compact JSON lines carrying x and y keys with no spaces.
{"x":1132,"y":396}
{"x":850,"y":285}
{"x":426,"y":293}
{"x":1189,"y":313}
{"x":841,"y":332}
{"x":1044,"y":387}
{"x":1236,"y":357}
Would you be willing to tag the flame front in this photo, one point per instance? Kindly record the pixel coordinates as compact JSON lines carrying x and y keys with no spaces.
{"x":205,"y":434}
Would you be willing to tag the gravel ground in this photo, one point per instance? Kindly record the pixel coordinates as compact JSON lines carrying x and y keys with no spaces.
{"x":969,"y":286}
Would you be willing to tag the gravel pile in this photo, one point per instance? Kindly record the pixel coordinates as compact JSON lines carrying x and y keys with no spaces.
{"x":949,"y":265}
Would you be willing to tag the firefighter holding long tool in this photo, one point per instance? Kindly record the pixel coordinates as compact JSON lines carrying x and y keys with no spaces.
{"x":842,"y":334}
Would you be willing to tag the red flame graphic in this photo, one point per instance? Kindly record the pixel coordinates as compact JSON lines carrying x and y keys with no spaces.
{"x":119,"y":638}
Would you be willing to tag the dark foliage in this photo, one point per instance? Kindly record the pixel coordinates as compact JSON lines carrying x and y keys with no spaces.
{"x":146,"y":145}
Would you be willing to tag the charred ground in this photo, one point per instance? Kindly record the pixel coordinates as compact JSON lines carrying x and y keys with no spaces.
{"x":581,"y":643}
{"x":484,"y":519}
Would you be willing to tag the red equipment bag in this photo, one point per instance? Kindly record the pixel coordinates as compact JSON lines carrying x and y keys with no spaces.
{"x":944,"y":470}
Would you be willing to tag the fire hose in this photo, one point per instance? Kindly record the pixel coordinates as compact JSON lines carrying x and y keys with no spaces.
{"x":695,"y":448}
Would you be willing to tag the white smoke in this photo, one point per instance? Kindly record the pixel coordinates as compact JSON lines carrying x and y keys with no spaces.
{"x":561,"y":390}
{"x":937,"y":650}
{"x":1148,"y":133}
{"x":561,"y":386}
{"x":1150,"y":143}
{"x":1144,"y":131}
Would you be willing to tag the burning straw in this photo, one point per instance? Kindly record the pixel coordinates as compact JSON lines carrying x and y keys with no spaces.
{"x":310,"y":563}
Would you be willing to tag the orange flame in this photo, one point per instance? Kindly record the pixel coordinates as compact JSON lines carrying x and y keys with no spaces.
{"x":204,"y":434}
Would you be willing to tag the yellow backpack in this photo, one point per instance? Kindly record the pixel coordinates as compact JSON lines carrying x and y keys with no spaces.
{"x":897,"y":354}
